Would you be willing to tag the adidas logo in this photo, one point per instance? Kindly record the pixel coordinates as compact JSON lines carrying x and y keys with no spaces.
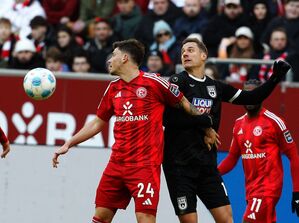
{"x":240,"y":132}
{"x":251,"y":216}
{"x":147,"y":202}
{"x":118,"y":95}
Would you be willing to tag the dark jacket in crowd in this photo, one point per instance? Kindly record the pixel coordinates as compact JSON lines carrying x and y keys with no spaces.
{"x":36,"y":61}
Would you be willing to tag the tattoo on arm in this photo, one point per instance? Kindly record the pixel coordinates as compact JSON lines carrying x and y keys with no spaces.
{"x":187,"y":106}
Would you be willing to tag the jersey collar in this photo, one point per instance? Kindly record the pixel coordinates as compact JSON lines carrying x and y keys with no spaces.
{"x":197,"y":79}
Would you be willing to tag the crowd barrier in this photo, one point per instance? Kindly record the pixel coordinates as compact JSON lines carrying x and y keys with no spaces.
{"x":52,"y":121}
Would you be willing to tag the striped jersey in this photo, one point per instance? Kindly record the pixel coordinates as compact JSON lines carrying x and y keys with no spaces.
{"x":259,"y":141}
{"x":138,"y":108}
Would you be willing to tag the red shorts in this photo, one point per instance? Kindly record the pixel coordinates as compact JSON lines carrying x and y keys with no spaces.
{"x":261,"y":210}
{"x":120,"y":183}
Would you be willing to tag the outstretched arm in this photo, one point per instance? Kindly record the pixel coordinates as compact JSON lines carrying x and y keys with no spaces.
{"x":88,"y":131}
{"x":256,"y":96}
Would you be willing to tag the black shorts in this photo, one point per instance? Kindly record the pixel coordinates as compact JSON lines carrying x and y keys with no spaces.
{"x":185,"y":183}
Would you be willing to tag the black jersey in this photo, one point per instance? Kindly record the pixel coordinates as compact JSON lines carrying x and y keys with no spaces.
{"x":184,"y":138}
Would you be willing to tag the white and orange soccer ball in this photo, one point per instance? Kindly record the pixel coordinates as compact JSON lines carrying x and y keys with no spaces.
{"x":39,"y":83}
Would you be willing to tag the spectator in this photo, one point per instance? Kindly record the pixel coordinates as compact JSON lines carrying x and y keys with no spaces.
{"x":209,"y":6}
{"x":290,"y":21}
{"x":241,"y":46}
{"x":127,"y":20}
{"x":7,"y":42}
{"x":81,"y":63}
{"x":165,"y":42}
{"x":61,"y":11}
{"x":259,"y":19}
{"x":223,"y":25}
{"x":162,"y":10}
{"x":278,"y":51}
{"x":67,"y":44}
{"x":193,"y":20}
{"x":155,"y":64}
{"x":25,"y":56}
{"x":54,"y":60}
{"x":89,"y":9}
{"x":20,"y":13}
{"x":100,"y":47}
{"x":39,"y":27}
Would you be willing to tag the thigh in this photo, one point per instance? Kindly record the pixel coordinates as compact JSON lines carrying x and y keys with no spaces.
{"x":182,"y":191}
{"x":260,"y":210}
{"x":211,"y":189}
{"x":112,"y":192}
{"x":144,"y":186}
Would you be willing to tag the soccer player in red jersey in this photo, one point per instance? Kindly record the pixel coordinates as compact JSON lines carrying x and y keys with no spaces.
{"x":259,"y":137}
{"x":5,"y":144}
{"x":137,"y":99}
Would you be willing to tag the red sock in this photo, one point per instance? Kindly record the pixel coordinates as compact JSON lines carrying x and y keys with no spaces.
{"x":97,"y":220}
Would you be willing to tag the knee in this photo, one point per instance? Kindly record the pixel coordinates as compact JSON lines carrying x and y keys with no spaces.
{"x":145,"y":218}
{"x":103,"y":215}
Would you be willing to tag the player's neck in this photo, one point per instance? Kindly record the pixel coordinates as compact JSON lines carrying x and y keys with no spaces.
{"x":197,"y":72}
{"x":129,"y":73}
{"x":254,"y":113}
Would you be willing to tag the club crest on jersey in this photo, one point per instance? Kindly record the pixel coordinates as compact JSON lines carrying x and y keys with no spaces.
{"x":288,"y":137}
{"x":257,"y":131}
{"x":182,"y":203}
{"x":174,"y":89}
{"x":212,"y":91}
{"x":141,"y":92}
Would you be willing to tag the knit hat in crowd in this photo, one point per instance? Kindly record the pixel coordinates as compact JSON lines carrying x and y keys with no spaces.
{"x":24,"y":45}
{"x":233,"y":2}
{"x":161,"y":25}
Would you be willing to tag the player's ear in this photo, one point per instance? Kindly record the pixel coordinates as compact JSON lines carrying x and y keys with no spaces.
{"x":125,"y":58}
{"x":203,"y":56}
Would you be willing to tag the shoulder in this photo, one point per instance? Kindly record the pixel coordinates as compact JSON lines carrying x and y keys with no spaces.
{"x":277,"y":121}
{"x":240,"y":119}
{"x":155,"y":79}
{"x":178,"y":78}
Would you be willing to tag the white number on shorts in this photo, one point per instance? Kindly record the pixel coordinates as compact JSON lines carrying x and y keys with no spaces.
{"x":256,"y":203}
{"x":149,"y":190}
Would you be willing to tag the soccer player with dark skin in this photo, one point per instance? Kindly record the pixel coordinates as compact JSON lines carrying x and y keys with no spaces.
{"x":190,"y":167}
{"x":5,"y":144}
{"x":259,"y":138}
{"x":137,"y":99}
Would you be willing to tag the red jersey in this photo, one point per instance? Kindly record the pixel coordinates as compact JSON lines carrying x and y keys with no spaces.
{"x":138,"y":107}
{"x":3,"y":138}
{"x":259,"y":141}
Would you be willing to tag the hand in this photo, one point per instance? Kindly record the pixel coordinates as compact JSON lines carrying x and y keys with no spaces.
{"x":6,"y":149}
{"x":295,"y":203}
{"x":227,"y":41}
{"x":280,"y":69}
{"x":211,"y":138}
{"x":65,"y":20}
{"x":78,"y":26}
{"x":62,"y":150}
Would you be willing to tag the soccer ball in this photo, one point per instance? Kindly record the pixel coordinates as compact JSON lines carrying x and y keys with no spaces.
{"x":39,"y":83}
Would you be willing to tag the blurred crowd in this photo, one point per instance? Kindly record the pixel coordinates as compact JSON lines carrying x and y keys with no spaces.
{"x":74,"y":35}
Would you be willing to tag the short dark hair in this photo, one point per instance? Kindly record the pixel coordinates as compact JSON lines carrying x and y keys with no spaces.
{"x":199,"y":43}
{"x":81,"y":53}
{"x":54,"y":53}
{"x":38,"y":21}
{"x":133,"y":47}
{"x":5,"y":21}
{"x":254,"y":82}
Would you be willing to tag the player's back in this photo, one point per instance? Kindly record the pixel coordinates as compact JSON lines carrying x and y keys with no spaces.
{"x":258,"y":141}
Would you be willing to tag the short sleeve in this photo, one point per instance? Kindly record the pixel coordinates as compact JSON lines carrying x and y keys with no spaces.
{"x":105,"y":108}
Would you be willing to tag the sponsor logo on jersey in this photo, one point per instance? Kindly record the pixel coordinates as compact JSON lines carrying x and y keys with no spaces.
{"x":288,"y":137}
{"x":240,"y":132}
{"x":147,"y":202}
{"x":212,"y":91}
{"x":182,"y":203}
{"x":174,"y":89}
{"x":251,"y":216}
{"x":203,"y":105}
{"x":141,"y":92}
{"x":249,"y":153}
{"x":118,"y":95}
{"x":257,"y":131}
{"x":128,"y":115}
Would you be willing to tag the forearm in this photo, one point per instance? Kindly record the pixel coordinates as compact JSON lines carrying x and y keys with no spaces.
{"x":255,"y":96}
{"x":88,"y":131}
{"x":228,"y":163}
{"x":3,"y":138}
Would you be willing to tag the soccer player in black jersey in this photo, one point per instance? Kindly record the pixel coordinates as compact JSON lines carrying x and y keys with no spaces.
{"x":190,"y":167}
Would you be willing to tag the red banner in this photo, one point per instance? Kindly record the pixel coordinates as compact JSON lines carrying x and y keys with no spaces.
{"x":75,"y":101}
